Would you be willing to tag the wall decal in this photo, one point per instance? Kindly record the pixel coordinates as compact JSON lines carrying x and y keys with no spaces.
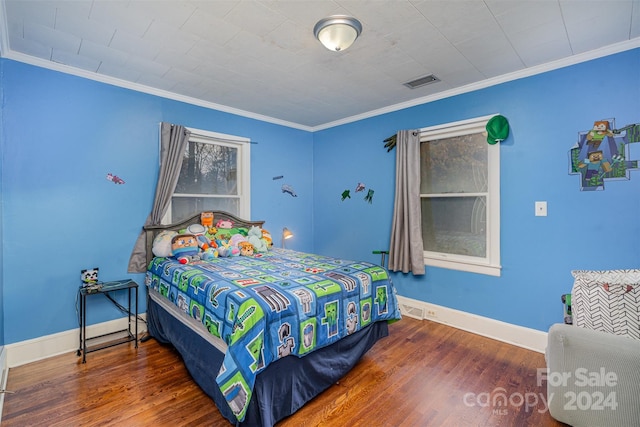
{"x":602,"y":153}
{"x":369,"y":196}
{"x":286,"y":188}
{"x":346,"y":194}
{"x":115,"y":179}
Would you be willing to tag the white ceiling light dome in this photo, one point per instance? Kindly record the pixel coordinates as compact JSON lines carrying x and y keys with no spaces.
{"x":337,"y":32}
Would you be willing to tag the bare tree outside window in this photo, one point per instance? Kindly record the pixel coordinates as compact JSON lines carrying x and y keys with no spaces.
{"x":210,"y":178}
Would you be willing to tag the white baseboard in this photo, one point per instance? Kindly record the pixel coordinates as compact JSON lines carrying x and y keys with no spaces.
{"x":32,"y":350}
{"x":520,"y":336}
{"x":3,"y":376}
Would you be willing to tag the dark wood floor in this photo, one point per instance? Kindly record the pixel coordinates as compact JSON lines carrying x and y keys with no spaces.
{"x":423,"y":374}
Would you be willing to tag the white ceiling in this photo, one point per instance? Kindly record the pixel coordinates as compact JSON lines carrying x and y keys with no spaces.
{"x":260,"y":58}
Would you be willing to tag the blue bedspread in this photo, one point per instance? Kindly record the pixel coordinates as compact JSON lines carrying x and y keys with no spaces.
{"x":272,"y":305}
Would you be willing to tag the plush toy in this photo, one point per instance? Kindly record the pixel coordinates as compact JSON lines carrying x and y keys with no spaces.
{"x":89,"y":276}
{"x":236,"y":239}
{"x":246,"y":248}
{"x":256,"y":239}
{"x":199,"y":231}
{"x":226,"y":250}
{"x":206,"y":219}
{"x":162,"y":243}
{"x":267,"y":238}
{"x":184,"y":248}
{"x":211,"y":234}
{"x":209,"y":254}
{"x":224,"y":223}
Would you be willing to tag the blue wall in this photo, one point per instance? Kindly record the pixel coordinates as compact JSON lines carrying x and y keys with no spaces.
{"x":62,"y":134}
{"x":583,"y":230}
{"x":1,"y":216}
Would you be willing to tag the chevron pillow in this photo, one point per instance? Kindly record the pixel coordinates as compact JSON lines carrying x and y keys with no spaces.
{"x":607,"y":301}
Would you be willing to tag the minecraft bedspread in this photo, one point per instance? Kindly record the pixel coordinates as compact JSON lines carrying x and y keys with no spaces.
{"x":272,"y":305}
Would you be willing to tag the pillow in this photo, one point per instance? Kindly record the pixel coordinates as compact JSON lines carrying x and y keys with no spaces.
{"x":162,"y":243}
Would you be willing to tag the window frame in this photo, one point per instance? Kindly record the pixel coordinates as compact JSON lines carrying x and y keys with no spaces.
{"x":243,"y":145}
{"x":489,"y":265}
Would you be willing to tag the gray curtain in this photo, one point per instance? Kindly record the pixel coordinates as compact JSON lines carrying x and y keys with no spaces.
{"x":405,"y":248}
{"x":173,"y":143}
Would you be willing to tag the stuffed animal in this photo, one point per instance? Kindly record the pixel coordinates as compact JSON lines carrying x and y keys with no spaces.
{"x":209,"y":254}
{"x":246,"y":248}
{"x":225,"y":249}
{"x":267,"y":238}
{"x":199,"y":231}
{"x":162,"y":243}
{"x":206,"y":219}
{"x":184,"y":248}
{"x":89,"y":276}
{"x":224,"y":223}
{"x":236,"y":239}
{"x":211,"y":235}
{"x":256,"y":239}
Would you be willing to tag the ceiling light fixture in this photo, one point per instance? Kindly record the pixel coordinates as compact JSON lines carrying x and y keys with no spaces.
{"x":337,"y":32}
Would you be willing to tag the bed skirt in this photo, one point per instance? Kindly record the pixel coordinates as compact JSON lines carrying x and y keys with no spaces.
{"x":283,"y":387}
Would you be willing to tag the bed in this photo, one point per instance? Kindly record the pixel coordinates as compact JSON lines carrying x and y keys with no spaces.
{"x":264,"y":334}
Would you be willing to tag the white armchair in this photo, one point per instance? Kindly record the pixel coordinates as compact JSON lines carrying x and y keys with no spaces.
{"x":593,"y":377}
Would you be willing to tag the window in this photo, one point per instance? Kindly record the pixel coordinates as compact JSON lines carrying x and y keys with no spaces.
{"x":460,"y":197}
{"x":215,"y":175}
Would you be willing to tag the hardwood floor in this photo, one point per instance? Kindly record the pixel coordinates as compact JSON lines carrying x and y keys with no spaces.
{"x":423,"y":374}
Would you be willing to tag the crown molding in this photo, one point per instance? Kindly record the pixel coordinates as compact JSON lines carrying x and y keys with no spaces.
{"x":56,"y":66}
{"x":516,"y":75}
{"x":6,"y":52}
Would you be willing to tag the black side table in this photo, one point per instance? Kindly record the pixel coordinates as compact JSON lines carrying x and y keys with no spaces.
{"x":105,"y":288}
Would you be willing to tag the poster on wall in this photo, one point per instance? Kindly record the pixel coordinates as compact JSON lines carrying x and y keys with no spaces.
{"x":602,"y":153}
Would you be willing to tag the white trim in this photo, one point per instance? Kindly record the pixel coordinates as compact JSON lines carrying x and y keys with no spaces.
{"x":240,"y":143}
{"x":243,"y":145}
{"x":516,"y":75}
{"x":6,"y":52}
{"x":40,"y":348}
{"x":452,"y":129}
{"x":528,"y":338}
{"x":43,"y":63}
{"x":471,"y":267}
{"x":490,"y":264}
{"x":4,"y":374}
{"x":219,"y":137}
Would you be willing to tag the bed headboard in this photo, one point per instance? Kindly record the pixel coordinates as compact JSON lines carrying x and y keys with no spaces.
{"x":153,"y":230}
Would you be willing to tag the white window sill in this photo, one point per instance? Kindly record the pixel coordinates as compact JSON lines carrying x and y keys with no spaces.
{"x":490,"y":270}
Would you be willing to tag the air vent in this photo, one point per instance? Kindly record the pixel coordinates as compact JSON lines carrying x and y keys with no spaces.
{"x":422,"y":81}
{"x":409,"y":310}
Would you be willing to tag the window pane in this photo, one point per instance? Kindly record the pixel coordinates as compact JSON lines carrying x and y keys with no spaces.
{"x":454,"y":165}
{"x":455,"y":225}
{"x":184,"y":207}
{"x":209,"y":169}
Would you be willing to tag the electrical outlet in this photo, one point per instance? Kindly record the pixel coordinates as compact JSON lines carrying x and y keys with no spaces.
{"x":431,"y":313}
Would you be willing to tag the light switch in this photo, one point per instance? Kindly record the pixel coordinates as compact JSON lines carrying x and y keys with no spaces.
{"x":541,"y":208}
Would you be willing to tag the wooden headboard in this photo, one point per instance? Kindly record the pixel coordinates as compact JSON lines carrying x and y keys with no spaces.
{"x":153,"y":230}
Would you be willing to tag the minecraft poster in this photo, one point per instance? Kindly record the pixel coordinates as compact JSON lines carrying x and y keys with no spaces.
{"x":602,"y":153}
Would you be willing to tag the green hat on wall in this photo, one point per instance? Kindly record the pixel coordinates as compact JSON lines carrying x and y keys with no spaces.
{"x":497,"y":129}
